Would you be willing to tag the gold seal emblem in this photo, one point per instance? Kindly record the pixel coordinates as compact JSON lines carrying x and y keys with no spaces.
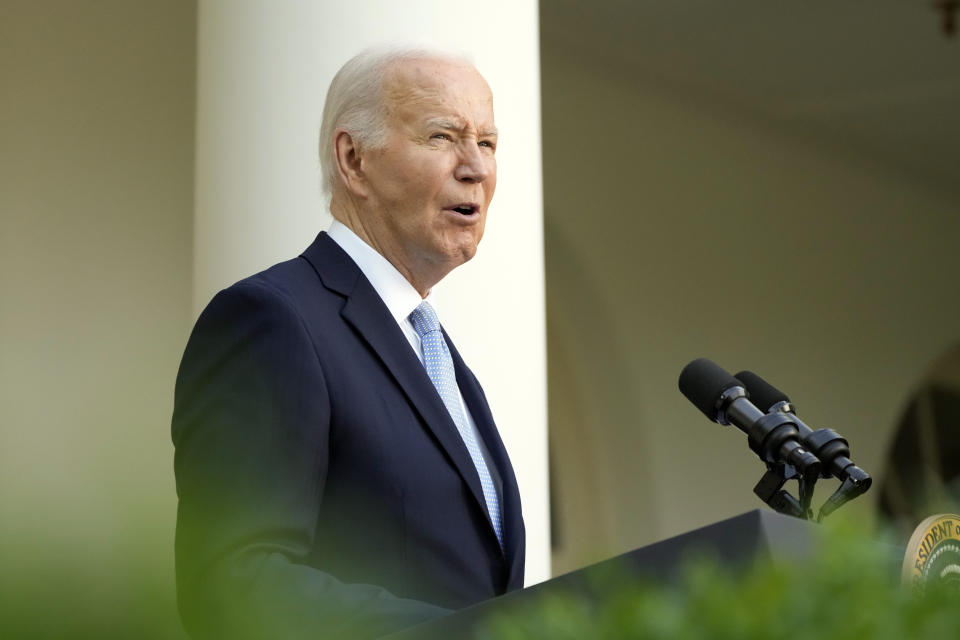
{"x":933,"y":553}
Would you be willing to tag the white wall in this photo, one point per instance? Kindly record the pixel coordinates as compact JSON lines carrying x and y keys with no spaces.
{"x":263,"y":70}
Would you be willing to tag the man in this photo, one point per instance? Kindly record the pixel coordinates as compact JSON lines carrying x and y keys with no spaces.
{"x":338,"y":470}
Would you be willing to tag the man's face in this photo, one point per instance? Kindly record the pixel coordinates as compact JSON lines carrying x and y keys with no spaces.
{"x":430,"y":185}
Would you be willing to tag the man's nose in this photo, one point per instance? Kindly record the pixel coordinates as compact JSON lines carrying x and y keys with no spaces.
{"x":473,"y":165}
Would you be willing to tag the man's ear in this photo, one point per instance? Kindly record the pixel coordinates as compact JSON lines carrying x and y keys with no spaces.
{"x":349,"y":166}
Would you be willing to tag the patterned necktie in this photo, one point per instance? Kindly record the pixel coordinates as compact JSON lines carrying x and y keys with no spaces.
{"x":439,"y":365}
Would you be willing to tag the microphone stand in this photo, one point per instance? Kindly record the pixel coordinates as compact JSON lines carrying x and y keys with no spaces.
{"x":773,"y":437}
{"x":770,"y":490}
{"x":855,"y":484}
{"x":827,"y":445}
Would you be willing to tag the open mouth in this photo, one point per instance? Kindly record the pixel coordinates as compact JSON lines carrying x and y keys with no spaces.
{"x":465,"y":208}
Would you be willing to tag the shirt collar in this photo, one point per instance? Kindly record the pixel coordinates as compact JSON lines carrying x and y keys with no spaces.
{"x":395,"y":291}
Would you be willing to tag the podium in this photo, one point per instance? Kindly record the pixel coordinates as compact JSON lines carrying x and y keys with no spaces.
{"x":734,"y":542}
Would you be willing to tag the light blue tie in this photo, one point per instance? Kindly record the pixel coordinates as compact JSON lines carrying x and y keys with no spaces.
{"x":439,"y":365}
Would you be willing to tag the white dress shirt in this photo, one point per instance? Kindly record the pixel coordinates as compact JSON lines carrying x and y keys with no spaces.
{"x":401,"y":299}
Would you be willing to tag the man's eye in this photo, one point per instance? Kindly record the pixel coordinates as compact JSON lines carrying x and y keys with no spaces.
{"x":441,"y":136}
{"x":487,"y":143}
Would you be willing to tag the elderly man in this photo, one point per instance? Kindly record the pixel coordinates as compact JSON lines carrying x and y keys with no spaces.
{"x":338,"y":470}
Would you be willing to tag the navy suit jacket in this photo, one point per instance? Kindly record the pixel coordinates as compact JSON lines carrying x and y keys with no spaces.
{"x":324,"y":490}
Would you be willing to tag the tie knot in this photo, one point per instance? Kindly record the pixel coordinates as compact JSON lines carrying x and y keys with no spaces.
{"x":424,"y":319}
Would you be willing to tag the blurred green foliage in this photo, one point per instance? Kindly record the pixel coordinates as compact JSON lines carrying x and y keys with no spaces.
{"x":51,"y":592}
{"x":849,"y":589}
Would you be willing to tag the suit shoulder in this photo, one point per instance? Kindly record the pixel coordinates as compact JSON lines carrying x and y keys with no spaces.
{"x":249,"y":327}
{"x":267,"y":302}
{"x":293,"y":284}
{"x":289,"y":280}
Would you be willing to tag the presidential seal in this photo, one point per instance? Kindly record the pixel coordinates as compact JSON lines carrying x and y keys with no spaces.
{"x":933,"y":553}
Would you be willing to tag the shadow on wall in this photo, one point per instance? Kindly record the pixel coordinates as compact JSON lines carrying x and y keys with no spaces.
{"x":921,"y":473}
{"x":600,"y":493}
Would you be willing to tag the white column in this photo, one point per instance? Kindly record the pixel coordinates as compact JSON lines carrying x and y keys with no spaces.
{"x":263,"y":71}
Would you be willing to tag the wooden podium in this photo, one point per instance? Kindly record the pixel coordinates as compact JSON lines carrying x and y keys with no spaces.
{"x":733,"y":542}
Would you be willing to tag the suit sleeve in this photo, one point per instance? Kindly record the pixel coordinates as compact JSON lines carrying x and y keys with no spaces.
{"x":251,"y":428}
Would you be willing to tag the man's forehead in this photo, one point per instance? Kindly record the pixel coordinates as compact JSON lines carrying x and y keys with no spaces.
{"x":429,"y":71}
{"x":431,"y":86}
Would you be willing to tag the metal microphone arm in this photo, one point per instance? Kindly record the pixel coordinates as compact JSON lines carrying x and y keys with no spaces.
{"x":827,"y":445}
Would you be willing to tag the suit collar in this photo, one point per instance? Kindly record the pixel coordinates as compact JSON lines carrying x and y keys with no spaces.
{"x":366,"y":312}
{"x":334,"y":267}
{"x":396,"y":292}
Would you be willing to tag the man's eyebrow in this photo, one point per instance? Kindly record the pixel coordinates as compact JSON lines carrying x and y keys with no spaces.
{"x":457,"y":125}
{"x":445,"y":123}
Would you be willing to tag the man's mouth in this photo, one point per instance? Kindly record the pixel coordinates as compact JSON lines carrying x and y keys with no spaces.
{"x":465,"y":208}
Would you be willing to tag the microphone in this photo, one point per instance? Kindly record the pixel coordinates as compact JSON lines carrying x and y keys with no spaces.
{"x":827,"y":445}
{"x":774,"y":437}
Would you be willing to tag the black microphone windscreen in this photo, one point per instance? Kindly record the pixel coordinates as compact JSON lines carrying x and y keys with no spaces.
{"x":703,"y":382}
{"x":762,"y":393}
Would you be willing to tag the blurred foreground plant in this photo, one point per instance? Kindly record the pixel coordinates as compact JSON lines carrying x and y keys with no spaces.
{"x":849,"y":588}
{"x":48,"y":592}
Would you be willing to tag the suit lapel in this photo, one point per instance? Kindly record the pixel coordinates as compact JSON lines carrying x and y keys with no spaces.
{"x":513,"y":529}
{"x":366,"y":312}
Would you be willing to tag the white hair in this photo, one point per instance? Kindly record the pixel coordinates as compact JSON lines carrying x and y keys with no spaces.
{"x":355,"y":100}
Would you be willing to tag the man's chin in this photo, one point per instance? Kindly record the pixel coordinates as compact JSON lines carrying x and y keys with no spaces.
{"x":451,"y":259}
{"x":462,"y":246}
{"x":467,"y":251}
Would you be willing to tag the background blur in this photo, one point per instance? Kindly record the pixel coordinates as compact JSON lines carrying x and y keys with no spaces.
{"x":774,"y":187}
